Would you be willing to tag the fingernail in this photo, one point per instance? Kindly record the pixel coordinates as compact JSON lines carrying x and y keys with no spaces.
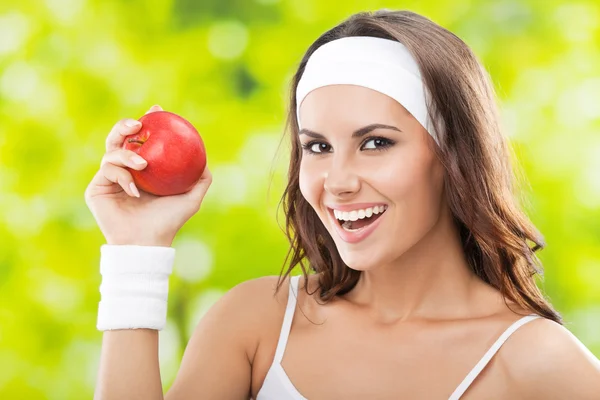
{"x":134,"y":189}
{"x":138,"y":160}
{"x":132,"y":122}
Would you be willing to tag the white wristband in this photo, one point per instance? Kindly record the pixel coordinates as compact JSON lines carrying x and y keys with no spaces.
{"x":135,"y":286}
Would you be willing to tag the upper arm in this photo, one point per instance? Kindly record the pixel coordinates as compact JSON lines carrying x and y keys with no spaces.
{"x":218,"y":358}
{"x":547,"y":361}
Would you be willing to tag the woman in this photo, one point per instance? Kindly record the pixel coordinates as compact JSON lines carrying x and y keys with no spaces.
{"x":399,"y":199}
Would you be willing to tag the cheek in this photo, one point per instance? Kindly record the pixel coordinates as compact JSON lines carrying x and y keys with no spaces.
{"x":400,"y":178}
{"x":414,"y":186}
{"x":309,"y":181}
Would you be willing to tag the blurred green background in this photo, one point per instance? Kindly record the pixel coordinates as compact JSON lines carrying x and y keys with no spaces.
{"x":69,"y":69}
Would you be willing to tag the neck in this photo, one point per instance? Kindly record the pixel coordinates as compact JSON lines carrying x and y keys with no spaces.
{"x":432,"y":280}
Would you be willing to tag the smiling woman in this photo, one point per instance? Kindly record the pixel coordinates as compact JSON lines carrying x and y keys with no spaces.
{"x":452,"y":163}
{"x":418,"y":265}
{"x":403,"y":201}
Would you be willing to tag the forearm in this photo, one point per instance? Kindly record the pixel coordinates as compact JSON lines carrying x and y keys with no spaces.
{"x":129,"y":367}
{"x":132,"y":310}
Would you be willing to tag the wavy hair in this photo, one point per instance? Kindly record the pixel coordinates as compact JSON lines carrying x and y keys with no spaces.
{"x":494,"y":231}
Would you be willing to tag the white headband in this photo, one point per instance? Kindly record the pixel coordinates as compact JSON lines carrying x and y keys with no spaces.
{"x":380,"y":64}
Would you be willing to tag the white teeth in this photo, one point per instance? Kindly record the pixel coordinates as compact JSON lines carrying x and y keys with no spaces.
{"x":358,"y":214}
{"x":343,"y":215}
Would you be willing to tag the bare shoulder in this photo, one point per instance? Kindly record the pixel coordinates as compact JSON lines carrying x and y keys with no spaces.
{"x":257,"y":307}
{"x":217,"y":362}
{"x":259,"y":300}
{"x":543,"y":359}
{"x":259,"y":290}
{"x":255,"y":303}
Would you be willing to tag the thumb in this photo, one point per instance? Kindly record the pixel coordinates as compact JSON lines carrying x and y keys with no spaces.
{"x":155,"y":107}
{"x":198,"y":191}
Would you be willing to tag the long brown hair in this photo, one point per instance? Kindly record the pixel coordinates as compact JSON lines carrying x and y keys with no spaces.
{"x":494,"y":232}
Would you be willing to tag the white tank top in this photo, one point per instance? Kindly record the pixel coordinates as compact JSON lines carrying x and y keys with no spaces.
{"x":278,"y":386}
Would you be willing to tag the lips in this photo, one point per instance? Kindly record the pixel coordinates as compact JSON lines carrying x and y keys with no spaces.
{"x":360,"y":223}
{"x":358,"y":235}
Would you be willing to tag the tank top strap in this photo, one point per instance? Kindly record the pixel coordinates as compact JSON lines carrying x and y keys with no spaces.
{"x":464,"y":385}
{"x":287,"y":319}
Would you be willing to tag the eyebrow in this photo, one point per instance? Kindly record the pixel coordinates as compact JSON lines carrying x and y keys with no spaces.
{"x":356,"y":134}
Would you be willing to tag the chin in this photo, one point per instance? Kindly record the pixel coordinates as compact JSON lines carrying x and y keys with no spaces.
{"x":361,"y":261}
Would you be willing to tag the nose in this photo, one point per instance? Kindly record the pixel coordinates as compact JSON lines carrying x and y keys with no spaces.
{"x":341,"y":180}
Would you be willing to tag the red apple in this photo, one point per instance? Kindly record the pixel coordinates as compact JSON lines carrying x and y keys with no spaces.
{"x":174,"y":151}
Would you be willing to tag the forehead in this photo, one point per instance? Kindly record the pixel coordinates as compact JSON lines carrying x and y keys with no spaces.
{"x":349,"y":104}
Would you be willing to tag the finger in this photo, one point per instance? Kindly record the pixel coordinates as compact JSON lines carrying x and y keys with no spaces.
{"x":111,"y":174}
{"x":198,"y":191}
{"x":155,"y":107}
{"x":124,"y":158}
{"x":120,"y":130}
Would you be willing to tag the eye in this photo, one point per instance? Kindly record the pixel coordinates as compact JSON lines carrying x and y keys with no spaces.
{"x":377,"y":143}
{"x":371,"y":144}
{"x":315,"y":147}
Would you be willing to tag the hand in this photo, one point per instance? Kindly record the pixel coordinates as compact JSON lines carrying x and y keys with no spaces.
{"x":125,"y":218}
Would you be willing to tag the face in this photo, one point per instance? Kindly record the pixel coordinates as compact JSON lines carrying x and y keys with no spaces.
{"x":386,"y":181}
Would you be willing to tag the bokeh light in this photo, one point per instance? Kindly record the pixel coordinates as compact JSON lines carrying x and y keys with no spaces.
{"x":69,"y":69}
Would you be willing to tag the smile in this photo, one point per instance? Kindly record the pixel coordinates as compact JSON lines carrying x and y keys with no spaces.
{"x":354,"y":226}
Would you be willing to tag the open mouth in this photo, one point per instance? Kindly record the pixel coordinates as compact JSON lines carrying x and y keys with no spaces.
{"x":345,"y":220}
